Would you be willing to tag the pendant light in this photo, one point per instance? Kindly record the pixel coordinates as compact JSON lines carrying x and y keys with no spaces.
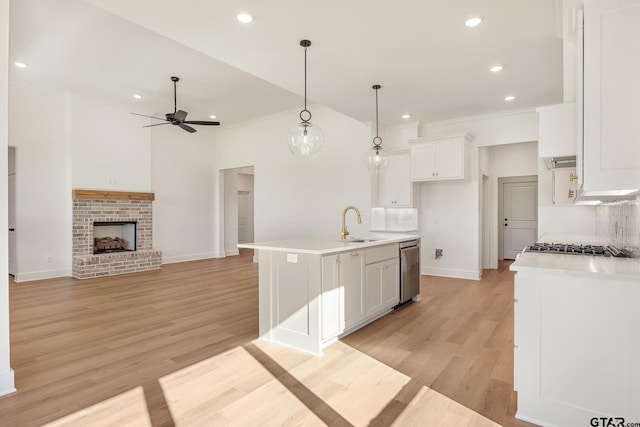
{"x":305,"y":139}
{"x":377,"y":156}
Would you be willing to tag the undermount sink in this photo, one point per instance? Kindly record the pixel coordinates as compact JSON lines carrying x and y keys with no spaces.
{"x":357,"y":240}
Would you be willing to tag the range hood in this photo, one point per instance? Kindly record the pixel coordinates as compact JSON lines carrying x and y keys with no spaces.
{"x":560,"y":162}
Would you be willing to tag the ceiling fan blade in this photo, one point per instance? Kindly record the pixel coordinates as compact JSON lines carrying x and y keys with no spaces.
{"x":151,"y":117}
{"x":156,"y":124}
{"x":180,"y":115}
{"x":201,"y":122}
{"x":187,"y":128}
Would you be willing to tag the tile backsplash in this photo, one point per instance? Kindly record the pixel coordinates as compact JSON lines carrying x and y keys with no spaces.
{"x":619,"y":224}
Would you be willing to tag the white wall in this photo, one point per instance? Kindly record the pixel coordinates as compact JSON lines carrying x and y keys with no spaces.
{"x":451,"y":211}
{"x":6,"y":373}
{"x":183,"y":181}
{"x":300,"y":197}
{"x":110,"y":150}
{"x":43,"y":181}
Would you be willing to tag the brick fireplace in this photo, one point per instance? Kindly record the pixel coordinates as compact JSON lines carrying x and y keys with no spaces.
{"x":102,"y":207}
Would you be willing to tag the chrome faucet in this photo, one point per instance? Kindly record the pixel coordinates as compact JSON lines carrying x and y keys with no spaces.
{"x":345,"y":233}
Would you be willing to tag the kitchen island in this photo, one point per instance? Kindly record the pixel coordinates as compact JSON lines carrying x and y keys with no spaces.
{"x":576,"y":336}
{"x":314,"y":291}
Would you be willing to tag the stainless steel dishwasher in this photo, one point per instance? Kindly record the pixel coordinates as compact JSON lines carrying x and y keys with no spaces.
{"x":409,"y":270}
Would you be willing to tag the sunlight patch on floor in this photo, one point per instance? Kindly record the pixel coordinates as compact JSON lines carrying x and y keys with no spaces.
{"x":126,"y":409}
{"x":431,"y":408}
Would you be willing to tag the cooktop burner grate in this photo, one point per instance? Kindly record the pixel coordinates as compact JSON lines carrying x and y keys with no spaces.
{"x":573,"y":249}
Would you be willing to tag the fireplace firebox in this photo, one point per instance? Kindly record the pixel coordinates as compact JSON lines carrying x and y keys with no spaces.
{"x":115,"y":236}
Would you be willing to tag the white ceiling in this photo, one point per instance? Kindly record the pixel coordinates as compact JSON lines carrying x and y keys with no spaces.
{"x":429,"y":64}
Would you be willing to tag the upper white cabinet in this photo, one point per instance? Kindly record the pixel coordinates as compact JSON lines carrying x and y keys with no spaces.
{"x":557,"y":130}
{"x":564,"y":186}
{"x":394,"y":182}
{"x":611,"y":110}
{"x":439,"y":158}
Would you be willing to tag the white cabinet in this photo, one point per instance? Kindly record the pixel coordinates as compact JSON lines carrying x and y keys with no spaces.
{"x":564,"y":186}
{"x":342,"y":292}
{"x":383,"y":286}
{"x":352,"y":281}
{"x":439,"y":158}
{"x":557,"y":130}
{"x":611,"y":138}
{"x":575,"y":347}
{"x":394,"y":182}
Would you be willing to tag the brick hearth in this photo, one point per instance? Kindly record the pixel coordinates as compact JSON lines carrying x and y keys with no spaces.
{"x":102,"y":206}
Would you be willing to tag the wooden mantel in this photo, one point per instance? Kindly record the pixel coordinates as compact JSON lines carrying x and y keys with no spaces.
{"x":111,"y":195}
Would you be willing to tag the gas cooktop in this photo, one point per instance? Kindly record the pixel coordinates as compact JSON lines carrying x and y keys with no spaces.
{"x":572,"y":249}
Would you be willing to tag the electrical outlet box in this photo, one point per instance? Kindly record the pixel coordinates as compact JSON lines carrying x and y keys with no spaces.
{"x":439,"y":253}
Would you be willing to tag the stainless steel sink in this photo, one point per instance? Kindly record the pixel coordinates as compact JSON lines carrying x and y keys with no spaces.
{"x":357,"y":240}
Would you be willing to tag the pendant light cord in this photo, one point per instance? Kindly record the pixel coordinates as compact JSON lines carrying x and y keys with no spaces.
{"x":305,"y":78}
{"x":377,"y":141}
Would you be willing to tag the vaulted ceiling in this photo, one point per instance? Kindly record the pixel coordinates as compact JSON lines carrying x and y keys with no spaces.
{"x":430,"y":65}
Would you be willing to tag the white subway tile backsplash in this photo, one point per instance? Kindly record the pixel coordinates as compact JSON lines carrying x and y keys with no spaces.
{"x":619,"y":224}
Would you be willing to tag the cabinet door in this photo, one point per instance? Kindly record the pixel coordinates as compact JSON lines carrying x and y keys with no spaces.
{"x":423,"y":162}
{"x":351,"y":280}
{"x":450,"y":159}
{"x":611,"y":95}
{"x":564,"y":187}
{"x":332,"y":298}
{"x":383,"y":286}
{"x":394,"y":182}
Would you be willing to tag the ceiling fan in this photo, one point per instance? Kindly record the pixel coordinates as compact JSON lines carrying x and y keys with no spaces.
{"x":178,"y":117}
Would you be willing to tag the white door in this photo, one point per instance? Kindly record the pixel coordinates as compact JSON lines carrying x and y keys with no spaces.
{"x":243,"y":216}
{"x":520,"y":210}
{"x":12,"y":224}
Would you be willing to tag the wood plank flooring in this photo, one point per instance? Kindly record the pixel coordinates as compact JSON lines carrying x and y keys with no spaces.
{"x":177,"y":347}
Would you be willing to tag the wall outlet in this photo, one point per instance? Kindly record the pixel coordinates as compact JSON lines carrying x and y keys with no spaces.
{"x":439,"y":253}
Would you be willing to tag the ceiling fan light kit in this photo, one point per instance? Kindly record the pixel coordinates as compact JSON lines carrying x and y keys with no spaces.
{"x":305,"y":139}
{"x":177,"y":118}
{"x":377,"y":157}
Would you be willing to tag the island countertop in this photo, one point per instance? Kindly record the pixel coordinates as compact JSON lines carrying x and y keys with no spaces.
{"x":330,"y":245}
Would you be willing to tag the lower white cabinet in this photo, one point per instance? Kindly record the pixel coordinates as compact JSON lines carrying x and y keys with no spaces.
{"x":576,"y":347}
{"x":383,"y":286}
{"x":356,"y":286}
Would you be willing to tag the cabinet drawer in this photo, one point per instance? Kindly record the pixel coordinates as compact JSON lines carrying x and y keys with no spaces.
{"x":380,"y":253}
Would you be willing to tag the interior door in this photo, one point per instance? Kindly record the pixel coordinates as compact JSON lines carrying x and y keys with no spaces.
{"x":243,"y":216}
{"x":12,"y":224}
{"x":520,"y":210}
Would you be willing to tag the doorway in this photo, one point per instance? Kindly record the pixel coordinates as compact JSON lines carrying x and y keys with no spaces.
{"x":11,"y":206}
{"x":238,"y":208}
{"x":518,"y":214}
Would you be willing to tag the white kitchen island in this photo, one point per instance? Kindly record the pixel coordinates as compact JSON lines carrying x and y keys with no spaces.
{"x":313,"y":291}
{"x":576,"y":336}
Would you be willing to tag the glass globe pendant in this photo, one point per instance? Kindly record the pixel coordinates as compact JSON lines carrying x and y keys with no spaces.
{"x":377,"y":157}
{"x":305,"y":139}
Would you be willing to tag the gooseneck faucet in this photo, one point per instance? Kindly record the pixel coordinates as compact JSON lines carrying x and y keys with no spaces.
{"x":345,"y":233}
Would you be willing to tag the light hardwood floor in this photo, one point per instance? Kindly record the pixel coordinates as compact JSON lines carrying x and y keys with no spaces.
{"x":177,"y":347}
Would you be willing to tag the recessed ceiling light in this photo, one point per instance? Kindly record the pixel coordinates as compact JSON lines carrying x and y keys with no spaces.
{"x":473,"y":21}
{"x":496,"y":68}
{"x":509,"y":98}
{"x":406,"y":116}
{"x":137,"y":96}
{"x":212,"y":116}
{"x":21,"y":64}
{"x":245,"y":18}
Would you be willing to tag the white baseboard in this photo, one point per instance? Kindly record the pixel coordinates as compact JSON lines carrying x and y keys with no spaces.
{"x":190,"y":257}
{"x":40,"y":275}
{"x":232,"y":252}
{"x":452,"y":272}
{"x":7,"y":383}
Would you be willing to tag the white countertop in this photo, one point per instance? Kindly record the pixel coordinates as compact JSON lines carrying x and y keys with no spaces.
{"x":618,"y":268}
{"x":329,"y":245}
